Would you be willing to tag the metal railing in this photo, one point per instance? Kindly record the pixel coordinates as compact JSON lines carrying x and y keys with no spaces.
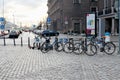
{"x":15,"y":42}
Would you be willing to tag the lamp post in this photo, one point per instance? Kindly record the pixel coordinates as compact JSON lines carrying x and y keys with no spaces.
{"x":14,"y":20}
{"x":119,"y":22}
{"x":3,"y":9}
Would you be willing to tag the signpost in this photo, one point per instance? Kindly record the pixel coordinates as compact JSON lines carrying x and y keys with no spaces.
{"x":90,"y":29}
{"x":48,"y":22}
{"x":2,"y":23}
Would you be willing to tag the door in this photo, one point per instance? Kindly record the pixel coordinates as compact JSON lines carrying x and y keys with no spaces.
{"x":76,"y":27}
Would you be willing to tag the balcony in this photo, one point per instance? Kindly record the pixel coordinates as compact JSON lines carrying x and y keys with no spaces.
{"x":100,"y":13}
{"x":107,"y":11}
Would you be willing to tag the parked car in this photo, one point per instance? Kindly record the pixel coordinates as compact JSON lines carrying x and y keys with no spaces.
{"x":13,"y":34}
{"x":37,"y":31}
{"x":50,"y":33}
{"x":3,"y":33}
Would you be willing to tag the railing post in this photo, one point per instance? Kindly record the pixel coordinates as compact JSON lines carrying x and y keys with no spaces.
{"x":112,"y":9}
{"x":14,"y":41}
{"x":104,"y":11}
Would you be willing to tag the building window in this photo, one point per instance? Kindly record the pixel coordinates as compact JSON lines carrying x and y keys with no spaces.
{"x":76,"y":1}
{"x":106,"y":3}
{"x":93,"y":9}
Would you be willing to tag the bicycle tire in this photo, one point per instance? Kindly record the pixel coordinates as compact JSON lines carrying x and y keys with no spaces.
{"x":44,"y":48}
{"x":58,"y":46}
{"x":68,"y":47}
{"x":91,"y":50}
{"x":77,"y":48}
{"x":109,"y":48}
{"x":36,"y":45}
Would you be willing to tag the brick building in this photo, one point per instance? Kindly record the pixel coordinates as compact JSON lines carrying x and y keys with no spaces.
{"x":70,"y":15}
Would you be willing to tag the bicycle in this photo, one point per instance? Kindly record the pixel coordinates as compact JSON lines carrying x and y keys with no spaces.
{"x":37,"y":42}
{"x":107,"y":47}
{"x":47,"y":46}
{"x":82,"y":46}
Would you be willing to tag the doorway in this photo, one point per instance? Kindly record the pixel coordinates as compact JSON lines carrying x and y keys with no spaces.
{"x":76,"y":27}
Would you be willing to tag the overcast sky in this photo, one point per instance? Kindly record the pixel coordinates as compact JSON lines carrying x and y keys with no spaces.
{"x":26,"y":12}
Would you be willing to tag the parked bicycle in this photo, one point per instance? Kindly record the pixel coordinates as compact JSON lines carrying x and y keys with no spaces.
{"x":107,"y":47}
{"x":37,"y":42}
{"x":47,"y":45}
{"x":81,"y":47}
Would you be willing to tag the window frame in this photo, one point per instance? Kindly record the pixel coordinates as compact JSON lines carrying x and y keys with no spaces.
{"x":93,"y":7}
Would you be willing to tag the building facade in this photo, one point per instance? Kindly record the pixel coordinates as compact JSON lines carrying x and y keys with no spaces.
{"x":70,"y":15}
{"x":107,"y":11}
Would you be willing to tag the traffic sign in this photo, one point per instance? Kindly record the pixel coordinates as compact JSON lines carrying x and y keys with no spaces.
{"x":48,"y":20}
{"x":2,"y":23}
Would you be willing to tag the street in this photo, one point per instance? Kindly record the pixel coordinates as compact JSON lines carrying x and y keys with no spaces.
{"x":22,"y":63}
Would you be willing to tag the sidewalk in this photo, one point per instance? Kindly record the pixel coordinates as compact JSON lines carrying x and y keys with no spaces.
{"x":22,"y":63}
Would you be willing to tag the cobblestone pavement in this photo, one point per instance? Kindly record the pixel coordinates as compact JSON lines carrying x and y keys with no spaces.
{"x":22,"y":63}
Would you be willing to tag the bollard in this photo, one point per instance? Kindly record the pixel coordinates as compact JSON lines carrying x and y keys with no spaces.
{"x":4,"y":41}
{"x":14,"y":41}
{"x":28,"y":41}
{"x":21,"y":41}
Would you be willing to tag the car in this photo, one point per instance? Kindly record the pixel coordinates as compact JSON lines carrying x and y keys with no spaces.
{"x":37,"y":31}
{"x":50,"y":33}
{"x":3,"y":33}
{"x":13,"y":34}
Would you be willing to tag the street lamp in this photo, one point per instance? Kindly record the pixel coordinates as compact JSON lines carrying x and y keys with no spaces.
{"x":119,"y":22}
{"x":117,"y":7}
{"x":3,"y":8}
{"x":13,"y":19}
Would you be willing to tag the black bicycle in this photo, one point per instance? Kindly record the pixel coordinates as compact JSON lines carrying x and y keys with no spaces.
{"x":81,"y":47}
{"x":107,"y":47}
{"x":47,"y":46}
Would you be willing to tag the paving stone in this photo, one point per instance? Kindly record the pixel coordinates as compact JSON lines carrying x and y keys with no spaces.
{"x":22,"y":63}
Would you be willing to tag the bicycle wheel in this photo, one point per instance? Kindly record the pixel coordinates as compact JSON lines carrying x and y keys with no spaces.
{"x":109,"y":48}
{"x":58,"y":46}
{"x":77,"y":48}
{"x":44,"y":48}
{"x":91,"y":50}
{"x":68,"y":47}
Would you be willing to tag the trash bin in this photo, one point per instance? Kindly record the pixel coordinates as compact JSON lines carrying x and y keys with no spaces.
{"x":107,"y":37}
